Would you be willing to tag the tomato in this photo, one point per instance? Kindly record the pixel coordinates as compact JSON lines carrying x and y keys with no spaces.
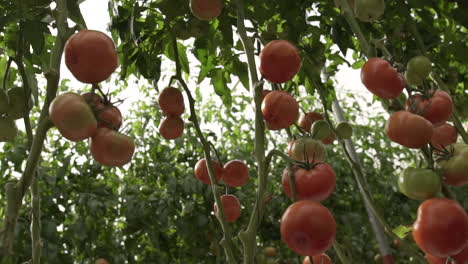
{"x":90,"y":56}
{"x":171,"y":102}
{"x":201,"y":171}
{"x":381,"y":79}
{"x":308,"y":149}
{"x":206,"y":9}
{"x":4,"y":102}
{"x":18,"y":105}
{"x":435,"y":260}
{"x":436,"y":109}
{"x":110,"y":148}
{"x":418,"y":183}
{"x":8,"y":129}
{"x":444,"y":135}
{"x":280,"y":110}
{"x":308,"y":228}
{"x":269,"y":251}
{"x":318,"y":259}
{"x":290,"y":147}
{"x":320,"y":130}
{"x":72,"y":116}
{"x":369,"y":10}
{"x":172,"y":127}
{"x":409,"y":130}
{"x":236,"y":173}
{"x":93,"y":100}
{"x":231,"y":206}
{"x":462,"y":257}
{"x":101,"y":261}
{"x":344,"y":130}
{"x":279,"y":61}
{"x":418,"y":69}
{"x":441,"y":227}
{"x":265,"y":92}
{"x":455,"y":170}
{"x":315,"y":184}
{"x":109,"y":116}
{"x":306,"y":121}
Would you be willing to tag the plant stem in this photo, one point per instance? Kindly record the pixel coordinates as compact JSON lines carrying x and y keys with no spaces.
{"x":36,"y":221}
{"x":7,"y":70}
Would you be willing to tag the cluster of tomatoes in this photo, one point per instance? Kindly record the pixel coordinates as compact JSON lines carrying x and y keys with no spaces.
{"x":171,"y":102}
{"x":441,"y":227}
{"x":91,"y":57}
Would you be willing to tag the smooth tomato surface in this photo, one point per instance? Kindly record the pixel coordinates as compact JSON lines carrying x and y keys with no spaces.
{"x":280,"y":110}
{"x":279,"y":61}
{"x":381,"y":79}
{"x":201,"y":171}
{"x":409,"y":130}
{"x":172,"y":127}
{"x":236,"y":173}
{"x":308,"y":228}
{"x":109,"y":116}
{"x":206,"y":9}
{"x":436,"y":109}
{"x":231,"y":206}
{"x":171,"y":102}
{"x":419,"y":183}
{"x":110,"y":148}
{"x":444,"y":135}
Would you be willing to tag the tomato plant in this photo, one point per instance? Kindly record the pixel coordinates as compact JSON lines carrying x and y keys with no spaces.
{"x":280,"y":110}
{"x":308,"y":149}
{"x":171,"y":101}
{"x":110,"y":148}
{"x":419,"y":183}
{"x":201,"y":171}
{"x":172,"y":127}
{"x":279,"y":61}
{"x":231,"y":206}
{"x":436,"y":108}
{"x":409,"y":130}
{"x":206,"y":9}
{"x":382,"y":79}
{"x":315,"y":184}
{"x":235,"y":173}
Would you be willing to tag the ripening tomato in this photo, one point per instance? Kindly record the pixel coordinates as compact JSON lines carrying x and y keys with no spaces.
{"x":201,"y":171}
{"x":381,"y":79}
{"x":409,"y":130}
{"x":172,"y":127}
{"x":419,"y":183}
{"x":269,"y":251}
{"x":441,"y":227}
{"x":235,"y":173}
{"x":318,"y":259}
{"x":90,"y":56}
{"x":231,"y":206}
{"x":308,"y":149}
{"x":171,"y":102}
{"x":444,"y":135}
{"x":108,"y":116}
{"x":110,"y":148}
{"x":72,"y":116}
{"x":279,"y":61}
{"x":280,"y":110}
{"x":436,"y":109}
{"x":455,"y":169}
{"x":308,"y":228}
{"x":315,"y":184}
{"x":206,"y":9}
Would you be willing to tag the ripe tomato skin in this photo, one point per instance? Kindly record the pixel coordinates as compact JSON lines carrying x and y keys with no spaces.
{"x":110,"y":148}
{"x":409,"y":130}
{"x":172,"y":127}
{"x":444,"y":135}
{"x":280,"y":110}
{"x":381,"y":79}
{"x":316,"y":184}
{"x":236,"y":173}
{"x":419,"y":183}
{"x":206,"y":9}
{"x":435,"y":260}
{"x":231,"y":206}
{"x":279,"y":61}
{"x":308,"y":149}
{"x":90,"y":56}
{"x":462,"y":257}
{"x":109,"y":116}
{"x":171,"y":102}
{"x":73,"y":117}
{"x":436,"y":109}
{"x":318,"y":259}
{"x":441,"y":227}
{"x":308,"y":228}
{"x":201,"y":171}
{"x":306,"y":121}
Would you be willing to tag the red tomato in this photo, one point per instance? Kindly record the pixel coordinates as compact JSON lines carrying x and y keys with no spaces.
{"x":290,"y":147}
{"x":308,"y":228}
{"x":381,"y":79}
{"x":236,"y":173}
{"x":409,"y":130}
{"x":315,"y":184}
{"x":306,"y":121}
{"x":201,"y":171}
{"x":444,"y":135}
{"x":171,"y":102}
{"x":231,"y":206}
{"x":318,"y":259}
{"x":110,"y":148}
{"x":388,"y":259}
{"x":206,"y":9}
{"x":441,"y":228}
{"x":90,"y":56}
{"x":462,"y":257}
{"x":109,"y":116}
{"x":435,"y":260}
{"x":436,"y":109}
{"x":279,"y":61}
{"x":265,"y":92}
{"x":73,"y":117}
{"x":280,"y":110}
{"x":172,"y":127}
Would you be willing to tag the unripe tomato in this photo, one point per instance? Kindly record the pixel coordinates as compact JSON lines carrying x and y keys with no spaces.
{"x":171,"y":102}
{"x":418,"y":69}
{"x":320,"y":130}
{"x":418,"y":183}
{"x":308,"y":149}
{"x":109,"y":116}
{"x":369,"y":10}
{"x":231,"y":206}
{"x":172,"y":127}
{"x":306,"y":121}
{"x":436,"y":109}
{"x":308,"y":228}
{"x":235,"y":173}
{"x":315,"y":184}
{"x":201,"y":171}
{"x":73,"y":117}
{"x":441,"y":228}
{"x":381,"y":79}
{"x":344,"y":130}
{"x":110,"y":148}
{"x":279,"y":61}
{"x":269,"y":251}
{"x":8,"y":129}
{"x":90,"y":56}
{"x":444,"y":135}
{"x":280,"y":110}
{"x":206,"y":9}
{"x":409,"y":130}
{"x":455,"y":170}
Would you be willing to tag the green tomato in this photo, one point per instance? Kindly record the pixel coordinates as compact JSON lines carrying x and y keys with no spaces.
{"x":369,"y":10}
{"x":308,"y":149}
{"x":8,"y":129}
{"x":455,"y":169}
{"x":146,"y":190}
{"x":320,"y":130}
{"x":344,"y":130}
{"x":419,"y":66}
{"x":4,"y":102}
{"x":413,"y":78}
{"x":418,"y":183}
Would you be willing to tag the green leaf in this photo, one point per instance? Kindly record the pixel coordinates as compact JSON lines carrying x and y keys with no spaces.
{"x":33,"y":34}
{"x":401,"y":231}
{"x":358,"y":64}
{"x":220,"y":84}
{"x":240,"y":69}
